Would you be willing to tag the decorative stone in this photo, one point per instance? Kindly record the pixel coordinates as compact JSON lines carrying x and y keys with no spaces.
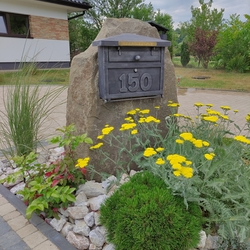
{"x":94,"y":247}
{"x":211,"y":242}
{"x":203,"y":238}
{"x":81,"y":199}
{"x":78,"y":241}
{"x":124,"y":178}
{"x":77,"y":212}
{"x":97,"y":237}
{"x":17,"y":188}
{"x":109,"y":182}
{"x":64,"y":212}
{"x":58,"y":224}
{"x":109,"y":247}
{"x":97,"y":218}
{"x":91,"y":189}
{"x":89,"y":219}
{"x":89,"y":113}
{"x":66,"y":229}
{"x":95,"y":202}
{"x":81,"y":227}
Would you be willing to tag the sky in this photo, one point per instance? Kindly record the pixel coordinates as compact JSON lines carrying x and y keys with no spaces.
{"x":180,"y":10}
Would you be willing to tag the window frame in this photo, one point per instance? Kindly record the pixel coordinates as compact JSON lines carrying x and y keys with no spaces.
{"x":6,"y":19}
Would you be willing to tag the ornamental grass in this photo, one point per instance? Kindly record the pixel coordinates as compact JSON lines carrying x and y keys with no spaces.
{"x":199,"y":159}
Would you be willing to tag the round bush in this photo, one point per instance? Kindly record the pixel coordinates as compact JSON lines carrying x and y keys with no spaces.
{"x":143,"y":214}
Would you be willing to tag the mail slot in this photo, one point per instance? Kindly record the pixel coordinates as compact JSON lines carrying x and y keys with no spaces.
{"x":130,"y":66}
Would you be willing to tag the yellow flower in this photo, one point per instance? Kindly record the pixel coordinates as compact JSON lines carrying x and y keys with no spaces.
{"x":151,"y":119}
{"x":188,"y":163}
{"x":176,"y":166}
{"x":82,"y":163}
{"x":157,"y":107}
{"x":186,"y":136}
{"x":209,"y":105}
{"x":187,"y":172}
{"x":198,"y":104}
{"x":213,"y":112}
{"x":225,"y":107}
{"x":129,"y":119}
{"x":98,"y":145}
{"x":177,"y":173}
{"x":142,"y":120}
{"x":145,"y":111}
{"x":175,"y":158}
{"x":159,"y":149}
{"x":107,"y":130}
{"x":224,"y":117}
{"x":149,"y":152}
{"x":242,"y":138}
{"x":160,"y":161}
{"x":248,"y":118}
{"x":210,"y":156}
{"x":134,"y":131}
{"x":236,"y":111}
{"x":198,"y":143}
{"x":174,"y":105}
{"x":205,"y":143}
{"x":179,"y":141}
{"x":127,"y":126}
{"x":210,"y":118}
{"x":100,"y":137}
{"x":131,"y":112}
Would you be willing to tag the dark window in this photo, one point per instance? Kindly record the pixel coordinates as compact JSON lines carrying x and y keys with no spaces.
{"x":14,"y":25}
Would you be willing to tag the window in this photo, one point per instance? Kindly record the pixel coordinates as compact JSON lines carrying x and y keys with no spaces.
{"x":14,"y":25}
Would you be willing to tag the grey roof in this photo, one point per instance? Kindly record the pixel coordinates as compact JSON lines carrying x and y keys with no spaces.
{"x":83,"y":5}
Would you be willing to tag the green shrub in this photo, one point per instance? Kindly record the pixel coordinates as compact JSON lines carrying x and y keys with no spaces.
{"x":185,"y":54}
{"x":143,"y":214}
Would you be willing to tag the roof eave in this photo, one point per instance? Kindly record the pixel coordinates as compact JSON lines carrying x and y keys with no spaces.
{"x":78,"y":5}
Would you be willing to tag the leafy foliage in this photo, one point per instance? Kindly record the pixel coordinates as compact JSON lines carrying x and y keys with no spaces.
{"x":48,"y":188}
{"x":203,"y":46}
{"x":143,"y":214}
{"x":198,"y":160}
{"x":202,"y":29}
{"x":185,"y":54}
{"x":233,"y":45}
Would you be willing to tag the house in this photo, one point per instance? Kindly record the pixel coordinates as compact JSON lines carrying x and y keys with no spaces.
{"x":36,"y":30}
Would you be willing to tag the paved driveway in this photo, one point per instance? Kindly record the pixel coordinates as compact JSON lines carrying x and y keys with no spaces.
{"x":186,"y":98}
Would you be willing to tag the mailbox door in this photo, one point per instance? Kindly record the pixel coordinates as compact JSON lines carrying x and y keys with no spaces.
{"x":131,"y":72}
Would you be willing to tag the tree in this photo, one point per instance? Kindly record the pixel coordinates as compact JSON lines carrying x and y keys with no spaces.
{"x":166,"y":21}
{"x":205,"y":22}
{"x":203,"y":45}
{"x":119,"y":9}
{"x":185,"y":54}
{"x":233,"y":48}
{"x":81,"y":35}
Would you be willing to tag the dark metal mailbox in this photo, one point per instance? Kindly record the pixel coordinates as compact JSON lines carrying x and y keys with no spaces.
{"x":130,"y":66}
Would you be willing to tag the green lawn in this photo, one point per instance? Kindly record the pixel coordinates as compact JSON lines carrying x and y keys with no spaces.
{"x":46,"y":77}
{"x":217,"y":79}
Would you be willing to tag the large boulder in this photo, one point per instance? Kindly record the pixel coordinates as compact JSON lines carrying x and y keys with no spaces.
{"x":89,"y":113}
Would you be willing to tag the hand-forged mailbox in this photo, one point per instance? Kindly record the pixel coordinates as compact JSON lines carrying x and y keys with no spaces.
{"x":130,"y":66}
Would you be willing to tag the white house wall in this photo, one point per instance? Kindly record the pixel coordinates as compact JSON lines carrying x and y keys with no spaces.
{"x":31,"y":7}
{"x":14,"y":50}
{"x":42,"y":50}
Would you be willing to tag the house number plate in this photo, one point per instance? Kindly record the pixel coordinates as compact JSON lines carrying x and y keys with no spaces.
{"x":134,"y":82}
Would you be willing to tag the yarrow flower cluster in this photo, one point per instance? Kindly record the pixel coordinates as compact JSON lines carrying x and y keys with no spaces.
{"x":187,"y":136}
{"x":82,"y":163}
{"x":180,"y":165}
{"x":242,"y":139}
